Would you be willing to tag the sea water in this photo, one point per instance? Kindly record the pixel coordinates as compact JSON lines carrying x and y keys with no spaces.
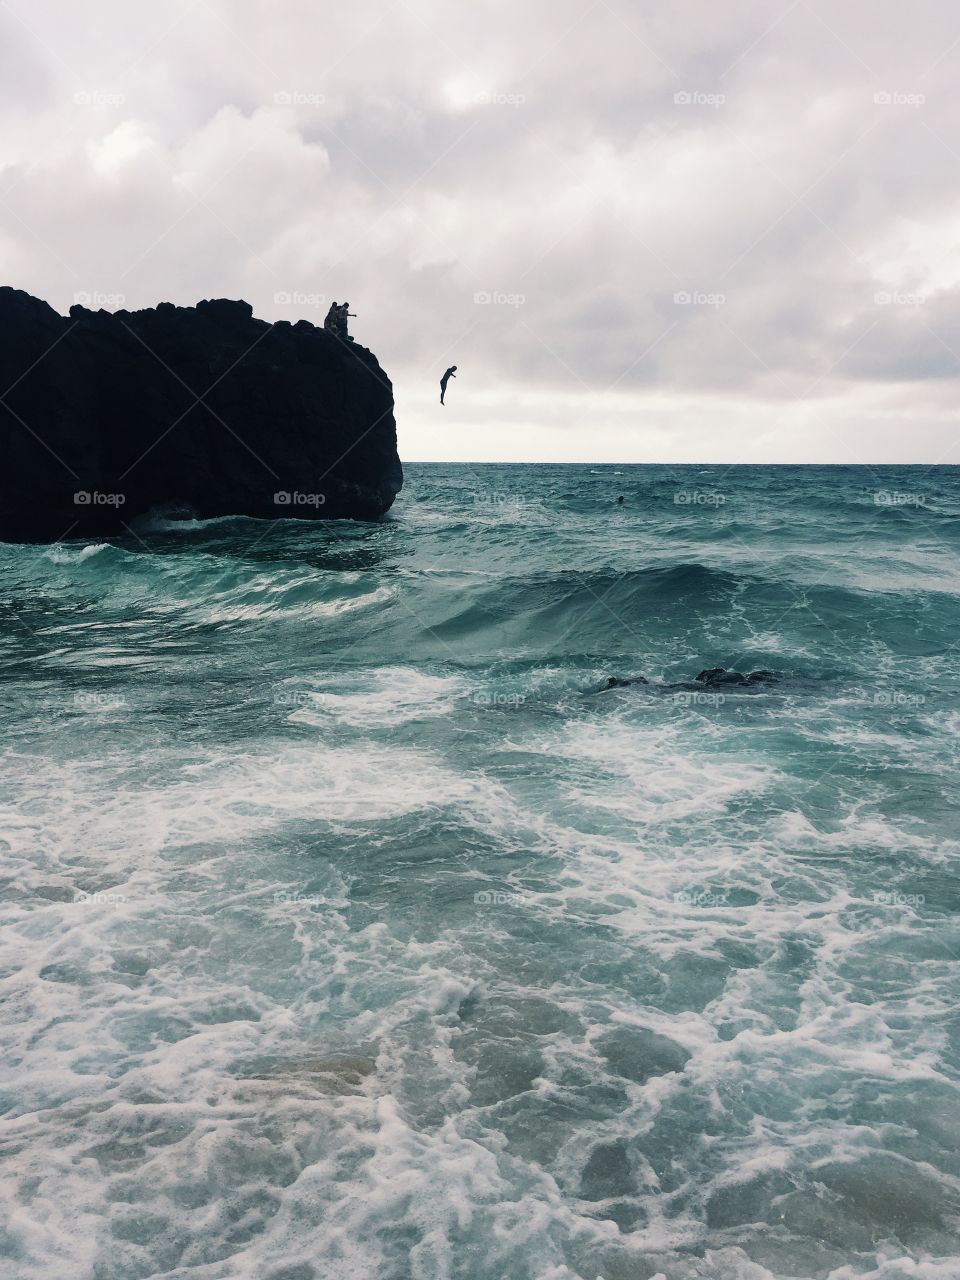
{"x":350,"y":930}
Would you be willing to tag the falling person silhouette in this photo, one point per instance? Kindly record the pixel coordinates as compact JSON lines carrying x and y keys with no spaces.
{"x":451,"y":373}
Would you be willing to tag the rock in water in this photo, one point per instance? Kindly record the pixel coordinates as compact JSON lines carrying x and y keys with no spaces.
{"x":203,"y":410}
{"x":720,"y":675}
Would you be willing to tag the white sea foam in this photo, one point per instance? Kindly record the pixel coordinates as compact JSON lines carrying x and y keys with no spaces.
{"x":649,"y":773}
{"x":322,"y":962}
{"x":60,"y":553}
{"x":369,"y":700}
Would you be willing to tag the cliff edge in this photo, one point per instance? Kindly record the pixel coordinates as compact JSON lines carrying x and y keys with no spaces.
{"x":200,"y":411}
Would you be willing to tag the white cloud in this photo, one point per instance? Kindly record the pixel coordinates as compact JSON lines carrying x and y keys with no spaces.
{"x":593,"y":161}
{"x":115,"y":152}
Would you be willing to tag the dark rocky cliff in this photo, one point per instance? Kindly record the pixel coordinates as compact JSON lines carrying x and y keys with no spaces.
{"x":192,"y":410}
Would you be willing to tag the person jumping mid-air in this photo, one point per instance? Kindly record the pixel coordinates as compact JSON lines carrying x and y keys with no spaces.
{"x":451,"y":373}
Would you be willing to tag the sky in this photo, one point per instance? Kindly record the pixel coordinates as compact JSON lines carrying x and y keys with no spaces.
{"x":645,"y":232}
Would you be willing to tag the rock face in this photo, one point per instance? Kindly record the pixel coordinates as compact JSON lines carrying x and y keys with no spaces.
{"x":201,"y":411}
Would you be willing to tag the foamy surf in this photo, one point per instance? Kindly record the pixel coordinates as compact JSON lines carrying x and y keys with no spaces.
{"x":351,"y":930}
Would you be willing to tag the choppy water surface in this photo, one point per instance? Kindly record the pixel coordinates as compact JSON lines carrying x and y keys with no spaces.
{"x":347,"y":933}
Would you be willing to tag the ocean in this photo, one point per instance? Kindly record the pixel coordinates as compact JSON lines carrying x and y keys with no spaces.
{"x":353,"y":929}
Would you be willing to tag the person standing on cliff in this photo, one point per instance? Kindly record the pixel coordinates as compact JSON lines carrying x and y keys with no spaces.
{"x":451,"y":373}
{"x":332,"y":321}
{"x":336,"y":320}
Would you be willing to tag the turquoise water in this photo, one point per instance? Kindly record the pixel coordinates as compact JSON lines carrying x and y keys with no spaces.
{"x":350,"y":932}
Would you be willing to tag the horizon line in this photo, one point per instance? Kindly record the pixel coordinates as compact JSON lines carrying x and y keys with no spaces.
{"x":545,"y":462}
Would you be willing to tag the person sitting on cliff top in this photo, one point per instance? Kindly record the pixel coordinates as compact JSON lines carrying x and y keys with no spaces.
{"x":451,"y":373}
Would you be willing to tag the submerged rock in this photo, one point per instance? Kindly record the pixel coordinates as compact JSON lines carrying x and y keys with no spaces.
{"x":711,"y":677}
{"x":340,"y":1074}
{"x":639,"y":1054}
{"x":607,"y":1173}
{"x":720,"y":675}
{"x":201,"y":410}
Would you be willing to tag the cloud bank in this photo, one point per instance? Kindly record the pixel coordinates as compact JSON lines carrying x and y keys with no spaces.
{"x":643,"y":232}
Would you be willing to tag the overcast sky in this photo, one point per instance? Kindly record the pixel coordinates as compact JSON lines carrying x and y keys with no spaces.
{"x":682,"y":231}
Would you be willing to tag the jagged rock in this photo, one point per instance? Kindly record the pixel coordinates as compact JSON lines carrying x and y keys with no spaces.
{"x":618,"y":682}
{"x":715,"y":675}
{"x":712,"y":677}
{"x":203,"y":411}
